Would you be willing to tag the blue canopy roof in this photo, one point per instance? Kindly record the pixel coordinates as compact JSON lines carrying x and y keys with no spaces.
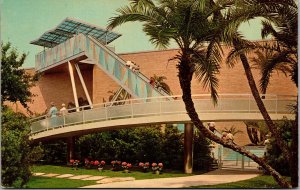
{"x":68,"y":28}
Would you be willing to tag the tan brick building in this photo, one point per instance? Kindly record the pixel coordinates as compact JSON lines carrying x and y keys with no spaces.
{"x":55,"y":84}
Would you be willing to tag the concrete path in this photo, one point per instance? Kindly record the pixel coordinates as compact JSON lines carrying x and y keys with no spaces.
{"x":210,"y":178}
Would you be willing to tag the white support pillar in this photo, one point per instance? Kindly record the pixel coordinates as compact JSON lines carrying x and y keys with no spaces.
{"x":73,"y":85}
{"x":83,"y":85}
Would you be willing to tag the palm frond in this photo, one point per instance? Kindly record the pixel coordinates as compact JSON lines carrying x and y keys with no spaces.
{"x":206,"y":71}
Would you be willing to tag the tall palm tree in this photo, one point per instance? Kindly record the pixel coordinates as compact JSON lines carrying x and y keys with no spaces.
{"x":190,"y":24}
{"x":284,"y":15}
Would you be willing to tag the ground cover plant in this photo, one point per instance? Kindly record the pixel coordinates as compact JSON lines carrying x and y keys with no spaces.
{"x":56,"y":183}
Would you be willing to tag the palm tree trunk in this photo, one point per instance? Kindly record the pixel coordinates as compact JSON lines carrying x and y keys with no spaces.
{"x":294,"y":152}
{"x":262,"y":108}
{"x":185,"y":78}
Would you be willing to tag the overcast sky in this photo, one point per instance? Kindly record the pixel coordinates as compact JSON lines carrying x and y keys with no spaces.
{"x":25,"y":20}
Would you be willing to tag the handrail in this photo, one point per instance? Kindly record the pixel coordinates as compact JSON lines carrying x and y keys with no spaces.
{"x":164,"y":99}
{"x":122,"y":61}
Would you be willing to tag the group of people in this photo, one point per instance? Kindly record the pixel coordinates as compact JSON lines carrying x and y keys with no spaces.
{"x":133,"y":66}
{"x":227,"y":136}
{"x":53,"y":112}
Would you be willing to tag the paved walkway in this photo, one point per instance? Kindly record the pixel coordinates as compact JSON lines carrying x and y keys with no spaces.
{"x":210,"y":178}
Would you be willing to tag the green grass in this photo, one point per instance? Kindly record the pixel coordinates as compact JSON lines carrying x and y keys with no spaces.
{"x":257,"y":182}
{"x":109,"y":173}
{"x":48,"y":182}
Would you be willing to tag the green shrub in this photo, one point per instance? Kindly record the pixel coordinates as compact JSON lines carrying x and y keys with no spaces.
{"x":16,"y":153}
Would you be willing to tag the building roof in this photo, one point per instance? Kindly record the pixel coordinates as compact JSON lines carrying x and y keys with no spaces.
{"x":68,"y":28}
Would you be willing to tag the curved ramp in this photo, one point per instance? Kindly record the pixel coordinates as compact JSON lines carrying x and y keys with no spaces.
{"x":140,"y":112}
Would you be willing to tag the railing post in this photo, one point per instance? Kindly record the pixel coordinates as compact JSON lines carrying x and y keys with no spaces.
{"x":237,"y":158}
{"x":276,"y":104}
{"x":82,"y":115}
{"x":106,"y":114}
{"x":64,"y":120}
{"x":249,"y":104}
{"x":160,"y":107}
{"x":243,"y":162}
{"x":131,"y":108}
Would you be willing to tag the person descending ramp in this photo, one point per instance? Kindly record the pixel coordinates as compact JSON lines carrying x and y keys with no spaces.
{"x":76,"y":40}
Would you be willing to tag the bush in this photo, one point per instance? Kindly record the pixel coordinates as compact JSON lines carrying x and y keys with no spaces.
{"x":16,"y":153}
{"x":274,"y":156}
{"x":134,"y":145}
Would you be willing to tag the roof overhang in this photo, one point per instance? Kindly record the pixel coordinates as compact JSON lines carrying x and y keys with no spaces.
{"x":70,"y":27}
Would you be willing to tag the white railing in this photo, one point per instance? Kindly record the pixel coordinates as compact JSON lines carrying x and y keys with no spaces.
{"x":132,"y":108}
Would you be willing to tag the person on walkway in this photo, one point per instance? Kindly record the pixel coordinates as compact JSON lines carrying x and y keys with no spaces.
{"x":152,"y":81}
{"x":229,"y":137}
{"x":224,"y":135}
{"x":266,"y":143}
{"x":63,"y":111}
{"x":53,"y":110}
{"x":211,"y":126}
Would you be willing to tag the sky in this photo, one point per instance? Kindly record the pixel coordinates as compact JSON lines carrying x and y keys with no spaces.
{"x":25,"y":20}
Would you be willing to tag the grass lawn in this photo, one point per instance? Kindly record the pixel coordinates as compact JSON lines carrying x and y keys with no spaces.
{"x":50,"y":182}
{"x":257,"y":182}
{"x":109,"y":173}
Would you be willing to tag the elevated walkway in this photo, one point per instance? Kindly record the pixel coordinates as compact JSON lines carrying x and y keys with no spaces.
{"x":140,"y":112}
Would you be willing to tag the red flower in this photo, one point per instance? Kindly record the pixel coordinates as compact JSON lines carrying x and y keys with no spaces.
{"x":154,"y":164}
{"x":141,"y":164}
{"x":147,"y":164}
{"x":92,"y":162}
{"x":124,"y":163}
{"x":102,"y":162}
{"x":72,"y":161}
{"x":129,"y":165}
{"x":160,"y":165}
{"x":113,"y":162}
{"x":96,"y":163}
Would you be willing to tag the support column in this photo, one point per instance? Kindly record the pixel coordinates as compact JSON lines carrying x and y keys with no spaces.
{"x":70,"y":148}
{"x":83,"y":85}
{"x":188,"y":147}
{"x":73,"y":86}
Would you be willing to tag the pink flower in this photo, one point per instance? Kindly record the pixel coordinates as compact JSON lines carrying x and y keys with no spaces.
{"x":124,"y":163}
{"x":147,"y":164}
{"x":141,"y":164}
{"x":160,"y":165}
{"x":77,"y":161}
{"x":72,"y":161}
{"x":154,"y":164}
{"x":92,"y":162}
{"x":113,"y":162}
{"x":102,"y":162}
{"x":129,"y":165}
{"x":96,"y":163}
{"x":118,"y":162}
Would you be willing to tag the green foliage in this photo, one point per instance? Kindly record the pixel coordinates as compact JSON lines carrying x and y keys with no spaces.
{"x":134,"y":145}
{"x":54,"y":152}
{"x":275,"y":156}
{"x":201,"y":159}
{"x":37,"y":182}
{"x":16,"y":153}
{"x":15,"y":82}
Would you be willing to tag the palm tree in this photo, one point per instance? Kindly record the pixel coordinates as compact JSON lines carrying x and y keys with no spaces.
{"x":190,"y":24}
{"x":284,"y":15}
{"x":161,"y":84}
